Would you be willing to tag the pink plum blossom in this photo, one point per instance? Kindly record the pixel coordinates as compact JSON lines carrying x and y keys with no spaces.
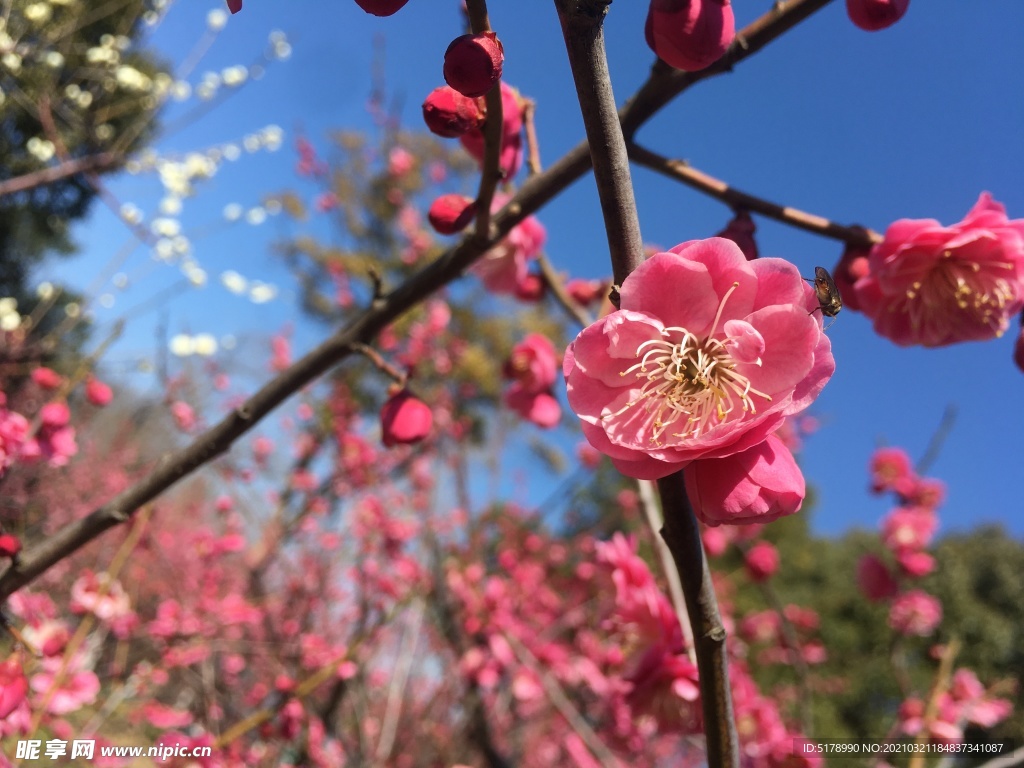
{"x":533,"y":363}
{"x":97,"y":593}
{"x":891,"y":470}
{"x":504,"y":267}
{"x":757,"y":485}
{"x":934,"y":285}
{"x":706,"y":357}
{"x":761,"y":561}
{"x":400,"y":161}
{"x":541,"y":408}
{"x":915,"y":613}
{"x":13,"y":434}
{"x":909,"y":528}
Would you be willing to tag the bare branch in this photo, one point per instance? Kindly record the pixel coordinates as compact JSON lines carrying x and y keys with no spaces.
{"x":682,"y":171}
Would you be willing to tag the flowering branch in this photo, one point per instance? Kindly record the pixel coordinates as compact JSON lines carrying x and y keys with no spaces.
{"x":682,"y":535}
{"x":583,"y":29}
{"x":659,"y":89}
{"x":680,"y":170}
{"x":563,"y":704}
{"x":645,"y":489}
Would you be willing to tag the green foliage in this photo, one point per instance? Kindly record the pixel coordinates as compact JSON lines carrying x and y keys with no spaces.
{"x":75,"y":84}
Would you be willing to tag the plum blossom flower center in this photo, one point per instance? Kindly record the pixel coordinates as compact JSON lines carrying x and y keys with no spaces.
{"x":974,"y":289}
{"x":691,"y":384}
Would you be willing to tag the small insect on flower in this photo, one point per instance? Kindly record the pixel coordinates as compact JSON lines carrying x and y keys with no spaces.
{"x":829,"y":300}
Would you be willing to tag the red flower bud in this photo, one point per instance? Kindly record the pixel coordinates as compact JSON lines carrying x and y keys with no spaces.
{"x":873,"y":15}
{"x":449,"y":114}
{"x":234,"y":5}
{"x":585,"y":292}
{"x":530,"y":288}
{"x":451,"y":213}
{"x":47,"y":378}
{"x":13,"y":686}
{"x":405,"y":419}
{"x":852,"y":266}
{"x":381,"y":7}
{"x":472,"y":63}
{"x":98,"y":393}
{"x":690,"y":34}
{"x":9,"y":545}
{"x":762,"y":561}
{"x":740,"y":230}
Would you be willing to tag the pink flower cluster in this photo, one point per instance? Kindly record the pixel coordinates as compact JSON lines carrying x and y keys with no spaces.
{"x":933,"y":285}
{"x":705,"y":359}
{"x":967,"y":702}
{"x":906,"y":533}
{"x":13,"y":434}
{"x":533,"y":367}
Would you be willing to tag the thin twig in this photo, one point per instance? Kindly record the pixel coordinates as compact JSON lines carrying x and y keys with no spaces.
{"x":682,"y":171}
{"x":675,"y":586}
{"x":557,"y":288}
{"x":533,"y":164}
{"x":931,"y":710}
{"x":931,"y":453}
{"x":562,"y":703}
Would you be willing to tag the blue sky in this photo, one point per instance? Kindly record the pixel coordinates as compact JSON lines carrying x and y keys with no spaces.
{"x":911,"y":122}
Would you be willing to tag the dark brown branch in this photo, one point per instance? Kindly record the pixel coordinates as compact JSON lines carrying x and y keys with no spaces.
{"x":538,"y":190}
{"x":682,"y":171}
{"x":583,"y":29}
{"x":682,"y":535}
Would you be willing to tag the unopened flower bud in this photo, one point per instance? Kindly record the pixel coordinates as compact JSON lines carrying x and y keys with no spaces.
{"x":530,"y":288}
{"x":234,"y":5}
{"x":472,"y":63}
{"x":10,"y":545}
{"x":873,"y":15}
{"x":451,"y":213}
{"x":690,"y":34}
{"x":405,"y":419}
{"x":449,"y":114}
{"x":98,"y":393}
{"x":740,"y":230}
{"x":381,"y":7}
{"x":762,"y":561}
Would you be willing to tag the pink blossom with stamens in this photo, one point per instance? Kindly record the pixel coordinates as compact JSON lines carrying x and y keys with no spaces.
{"x":891,"y":470}
{"x":909,"y":528}
{"x":761,"y":561}
{"x":934,"y":285}
{"x":706,"y":357}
